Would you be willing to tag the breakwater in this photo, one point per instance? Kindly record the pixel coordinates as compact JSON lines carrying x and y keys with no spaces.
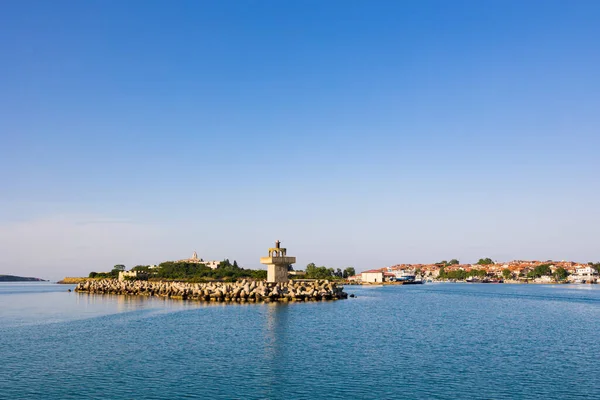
{"x":71,"y":280}
{"x":241,"y":291}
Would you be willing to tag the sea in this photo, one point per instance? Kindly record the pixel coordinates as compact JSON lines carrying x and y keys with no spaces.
{"x":431,"y":341}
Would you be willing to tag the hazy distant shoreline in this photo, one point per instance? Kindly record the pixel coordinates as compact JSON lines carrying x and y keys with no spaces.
{"x":14,"y":278}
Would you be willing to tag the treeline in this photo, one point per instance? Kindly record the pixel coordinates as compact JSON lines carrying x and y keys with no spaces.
{"x":545,"y":270}
{"x":314,"y":272}
{"x":461,"y":275}
{"x":113,"y":274}
{"x":185,"y":271}
{"x":199,"y":272}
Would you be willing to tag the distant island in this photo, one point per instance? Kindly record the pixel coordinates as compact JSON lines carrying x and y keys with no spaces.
{"x":13,"y":278}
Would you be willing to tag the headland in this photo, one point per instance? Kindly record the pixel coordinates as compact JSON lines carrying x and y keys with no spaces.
{"x":13,"y":278}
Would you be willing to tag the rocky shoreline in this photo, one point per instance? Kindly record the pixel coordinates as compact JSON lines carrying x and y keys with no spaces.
{"x":241,"y":291}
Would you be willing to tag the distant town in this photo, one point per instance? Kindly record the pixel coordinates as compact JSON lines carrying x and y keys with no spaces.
{"x":485,"y":270}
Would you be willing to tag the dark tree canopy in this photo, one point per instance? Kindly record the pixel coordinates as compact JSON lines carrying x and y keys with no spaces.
{"x":560,"y":274}
{"x":186,"y":271}
{"x":314,"y":272}
{"x":348,"y":272}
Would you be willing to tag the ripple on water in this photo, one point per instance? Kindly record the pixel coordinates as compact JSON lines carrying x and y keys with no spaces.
{"x":427,"y":342}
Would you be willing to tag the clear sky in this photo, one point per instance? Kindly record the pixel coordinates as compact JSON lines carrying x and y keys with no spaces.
{"x":359,"y":133}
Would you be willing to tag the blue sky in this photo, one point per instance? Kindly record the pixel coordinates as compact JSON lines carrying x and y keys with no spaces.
{"x":358,"y":133}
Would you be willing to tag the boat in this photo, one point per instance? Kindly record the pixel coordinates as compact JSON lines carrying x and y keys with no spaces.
{"x":407,"y":278}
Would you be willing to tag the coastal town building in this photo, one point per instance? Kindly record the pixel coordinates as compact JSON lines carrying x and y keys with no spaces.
{"x":585,"y":270}
{"x":372,"y":276}
{"x":389,"y":276}
{"x":195,"y":260}
{"x":583,"y":274}
{"x":124,"y":275}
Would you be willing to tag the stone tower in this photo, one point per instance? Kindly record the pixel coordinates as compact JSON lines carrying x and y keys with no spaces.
{"x":277,"y":263}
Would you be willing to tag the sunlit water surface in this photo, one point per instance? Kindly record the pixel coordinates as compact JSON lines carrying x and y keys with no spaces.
{"x":435,"y":341}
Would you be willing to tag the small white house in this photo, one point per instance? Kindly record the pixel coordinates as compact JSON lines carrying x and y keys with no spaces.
{"x":124,"y":275}
{"x":372,"y":276}
{"x":585,"y":271}
{"x":211,"y":264}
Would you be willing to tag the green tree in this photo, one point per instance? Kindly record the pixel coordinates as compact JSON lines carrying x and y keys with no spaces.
{"x":506,"y":274}
{"x":310,"y":269}
{"x":93,"y":274}
{"x":539,"y":271}
{"x":314,"y":272}
{"x":349,"y":271}
{"x":543,"y":270}
{"x":141,"y":268}
{"x":119,"y":267}
{"x":485,"y":261}
{"x":454,"y":261}
{"x":481,"y":273}
{"x":560,"y":274}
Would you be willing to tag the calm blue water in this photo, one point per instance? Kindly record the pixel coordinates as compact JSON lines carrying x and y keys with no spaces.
{"x":437,"y":341}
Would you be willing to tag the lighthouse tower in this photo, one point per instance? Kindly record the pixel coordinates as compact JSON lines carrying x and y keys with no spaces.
{"x":277,"y":263}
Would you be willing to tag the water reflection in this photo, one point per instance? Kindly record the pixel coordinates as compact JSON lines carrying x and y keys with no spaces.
{"x":276,"y":323}
{"x":276,"y":340}
{"x":439,"y":341}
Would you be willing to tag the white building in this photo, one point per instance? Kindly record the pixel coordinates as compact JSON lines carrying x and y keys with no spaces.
{"x":125,"y":275}
{"x":196,"y":260}
{"x":372,"y":276}
{"x":211,"y":264}
{"x":585,"y":271}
